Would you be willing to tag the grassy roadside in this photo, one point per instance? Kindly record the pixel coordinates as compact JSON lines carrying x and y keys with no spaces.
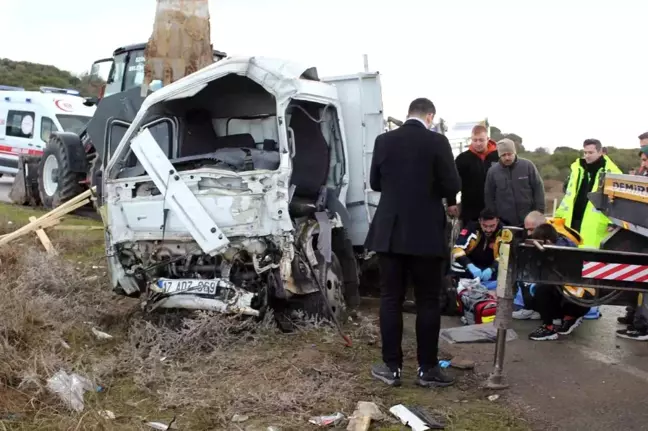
{"x":202,"y":370}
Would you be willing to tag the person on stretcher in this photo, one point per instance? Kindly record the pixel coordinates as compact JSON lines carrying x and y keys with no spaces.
{"x":476,"y":251}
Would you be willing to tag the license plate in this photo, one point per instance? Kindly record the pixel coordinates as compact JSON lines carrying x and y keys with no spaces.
{"x":206,"y":287}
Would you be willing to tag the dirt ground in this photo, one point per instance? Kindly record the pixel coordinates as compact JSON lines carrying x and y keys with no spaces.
{"x":201,"y":369}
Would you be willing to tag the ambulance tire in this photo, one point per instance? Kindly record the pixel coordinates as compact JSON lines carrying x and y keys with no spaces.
{"x":67,"y":185}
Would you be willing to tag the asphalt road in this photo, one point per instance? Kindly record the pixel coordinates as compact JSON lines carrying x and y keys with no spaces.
{"x":590,"y":380}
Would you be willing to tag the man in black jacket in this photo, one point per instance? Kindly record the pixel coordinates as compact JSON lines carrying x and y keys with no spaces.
{"x":472,"y":165}
{"x":413,"y":169}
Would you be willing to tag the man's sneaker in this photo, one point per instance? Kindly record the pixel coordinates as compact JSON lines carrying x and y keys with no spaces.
{"x":387,"y":375}
{"x":434,"y":377}
{"x":523,"y":314}
{"x":632,"y":333}
{"x":568,"y":326}
{"x":543,"y":333}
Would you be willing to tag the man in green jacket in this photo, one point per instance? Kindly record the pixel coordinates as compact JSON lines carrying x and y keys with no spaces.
{"x":585,"y":177}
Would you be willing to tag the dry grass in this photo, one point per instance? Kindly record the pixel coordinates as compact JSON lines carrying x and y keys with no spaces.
{"x":200,"y":368}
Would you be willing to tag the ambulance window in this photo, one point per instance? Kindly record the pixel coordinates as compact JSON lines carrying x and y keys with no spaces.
{"x":47,"y":127}
{"x":20,"y":124}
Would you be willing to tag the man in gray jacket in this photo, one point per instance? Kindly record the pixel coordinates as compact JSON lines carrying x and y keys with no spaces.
{"x":514,"y":187}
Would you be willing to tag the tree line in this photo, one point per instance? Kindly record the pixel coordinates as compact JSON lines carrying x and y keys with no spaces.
{"x":32,"y":76}
{"x":556,"y":165}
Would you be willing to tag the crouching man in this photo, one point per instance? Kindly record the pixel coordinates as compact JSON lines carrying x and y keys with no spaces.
{"x":476,"y":250}
{"x":548,"y":299}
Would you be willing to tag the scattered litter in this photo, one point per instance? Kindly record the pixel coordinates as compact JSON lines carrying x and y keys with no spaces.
{"x":324,"y":421}
{"x":106,"y":414}
{"x":64,"y":344}
{"x":462,"y":364}
{"x":444,"y":364}
{"x":101,"y":335}
{"x":493,"y":397}
{"x":160,"y":426}
{"x":70,"y":388}
{"x":364,"y":413}
{"x":416,"y":418}
{"x":240,"y":418}
{"x":481,"y":333}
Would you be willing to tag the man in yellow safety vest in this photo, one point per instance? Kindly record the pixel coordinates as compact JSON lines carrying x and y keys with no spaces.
{"x":584,"y":177}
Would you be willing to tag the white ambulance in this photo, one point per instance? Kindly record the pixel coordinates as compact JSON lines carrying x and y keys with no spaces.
{"x":27,"y":118}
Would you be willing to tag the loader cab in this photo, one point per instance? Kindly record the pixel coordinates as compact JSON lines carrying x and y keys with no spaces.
{"x":125,"y":70}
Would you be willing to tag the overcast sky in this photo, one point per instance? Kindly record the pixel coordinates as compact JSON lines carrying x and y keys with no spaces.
{"x":554,"y":72}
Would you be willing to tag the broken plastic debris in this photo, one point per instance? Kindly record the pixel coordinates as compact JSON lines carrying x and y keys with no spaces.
{"x":101,"y":335}
{"x":408,"y":418}
{"x":444,"y":364}
{"x":327,"y":420}
{"x":240,"y":418}
{"x":106,"y":414}
{"x":70,"y":388}
{"x":493,"y":397}
{"x":160,"y":426}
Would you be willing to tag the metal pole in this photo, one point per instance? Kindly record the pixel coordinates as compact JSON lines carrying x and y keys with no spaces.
{"x":504,"y":317}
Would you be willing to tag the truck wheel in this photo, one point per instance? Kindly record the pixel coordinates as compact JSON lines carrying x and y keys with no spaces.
{"x":56,"y":181}
{"x":313,"y":304}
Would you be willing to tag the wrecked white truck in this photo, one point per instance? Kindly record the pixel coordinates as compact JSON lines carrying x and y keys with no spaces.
{"x":239,"y":187}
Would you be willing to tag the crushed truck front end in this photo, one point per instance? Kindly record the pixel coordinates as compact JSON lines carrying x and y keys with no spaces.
{"x":196,"y":195}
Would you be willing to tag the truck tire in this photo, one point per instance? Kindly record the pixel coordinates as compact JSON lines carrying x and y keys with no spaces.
{"x":57,"y":183}
{"x":313,"y":304}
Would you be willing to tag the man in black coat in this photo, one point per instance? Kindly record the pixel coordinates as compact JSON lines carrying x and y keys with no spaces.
{"x":472,"y":165}
{"x":414,"y":170}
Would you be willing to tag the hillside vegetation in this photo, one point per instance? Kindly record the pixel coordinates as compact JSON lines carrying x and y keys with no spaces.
{"x":555,"y":165}
{"x":32,"y":76}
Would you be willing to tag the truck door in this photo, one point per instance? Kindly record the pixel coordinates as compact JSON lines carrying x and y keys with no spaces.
{"x":360,"y":96}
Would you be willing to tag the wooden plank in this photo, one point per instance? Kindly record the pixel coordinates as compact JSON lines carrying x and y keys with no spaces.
{"x":78,"y":227}
{"x":44,"y":239}
{"x":44,"y":225}
{"x":54,"y":214}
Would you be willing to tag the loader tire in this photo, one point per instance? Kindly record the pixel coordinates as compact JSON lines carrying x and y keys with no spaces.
{"x":57,"y":183}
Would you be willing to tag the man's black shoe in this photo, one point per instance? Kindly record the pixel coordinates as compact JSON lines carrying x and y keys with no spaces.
{"x":626,"y":320}
{"x":390,"y":376}
{"x":632,"y":333}
{"x":434,"y":377}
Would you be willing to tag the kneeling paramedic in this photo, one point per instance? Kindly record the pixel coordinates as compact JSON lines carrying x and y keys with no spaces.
{"x":531,"y":221}
{"x":549,"y":301}
{"x":475,"y":253}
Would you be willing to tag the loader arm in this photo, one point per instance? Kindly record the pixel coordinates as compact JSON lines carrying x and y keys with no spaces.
{"x":180,"y":43}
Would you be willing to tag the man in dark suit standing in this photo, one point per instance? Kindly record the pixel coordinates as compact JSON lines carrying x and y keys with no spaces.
{"x":414,"y":170}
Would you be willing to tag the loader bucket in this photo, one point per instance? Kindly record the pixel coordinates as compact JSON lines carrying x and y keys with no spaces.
{"x":180,"y":43}
{"x":24,"y":190}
